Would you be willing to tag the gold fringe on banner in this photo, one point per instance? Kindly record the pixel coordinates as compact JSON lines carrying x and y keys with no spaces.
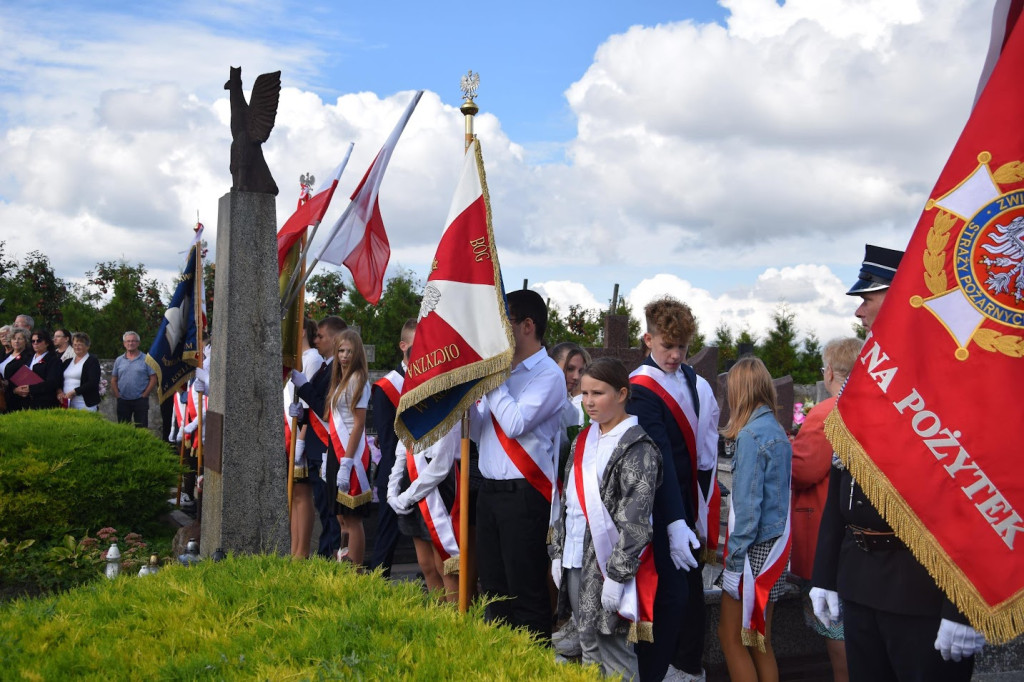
{"x":301,"y":472}
{"x":451,"y":565}
{"x":353,"y":501}
{"x":999,"y":623}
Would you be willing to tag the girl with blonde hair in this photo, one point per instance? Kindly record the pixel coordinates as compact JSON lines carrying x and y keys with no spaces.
{"x":348,"y":452}
{"x":758,"y":543}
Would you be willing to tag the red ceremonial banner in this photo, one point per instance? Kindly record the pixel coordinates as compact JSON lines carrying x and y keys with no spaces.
{"x":926,"y":421}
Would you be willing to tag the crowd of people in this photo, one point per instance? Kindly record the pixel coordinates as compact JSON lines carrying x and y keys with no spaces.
{"x":39,"y":371}
{"x":593,"y":494}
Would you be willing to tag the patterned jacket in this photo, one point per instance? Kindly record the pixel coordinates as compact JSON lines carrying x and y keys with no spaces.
{"x":630,"y":479}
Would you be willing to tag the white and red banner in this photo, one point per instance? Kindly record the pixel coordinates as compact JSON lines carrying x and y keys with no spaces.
{"x":358,"y":239}
{"x":930,"y":420}
{"x":463,"y":346}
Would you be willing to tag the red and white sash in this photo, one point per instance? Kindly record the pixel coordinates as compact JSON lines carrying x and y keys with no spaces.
{"x":441,"y":522}
{"x":676,"y":396}
{"x":391,"y":383}
{"x":709,"y":516}
{"x":179,"y":411}
{"x":754,"y":591}
{"x":521,"y":450}
{"x":359,"y":490}
{"x":637,"y":603}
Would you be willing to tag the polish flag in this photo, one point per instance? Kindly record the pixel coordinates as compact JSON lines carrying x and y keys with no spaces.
{"x":358,"y":239}
{"x":311,"y":211}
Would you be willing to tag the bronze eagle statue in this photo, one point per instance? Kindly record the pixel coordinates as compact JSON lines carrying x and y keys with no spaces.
{"x":251,"y":124}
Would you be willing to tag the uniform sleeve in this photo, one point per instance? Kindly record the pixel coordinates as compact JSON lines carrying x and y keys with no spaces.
{"x":707,"y":427}
{"x":541,"y":398}
{"x":442,"y":454}
{"x":830,"y":537}
{"x":648,"y":408}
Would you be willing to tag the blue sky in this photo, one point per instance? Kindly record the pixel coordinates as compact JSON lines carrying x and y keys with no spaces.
{"x":736,"y":154}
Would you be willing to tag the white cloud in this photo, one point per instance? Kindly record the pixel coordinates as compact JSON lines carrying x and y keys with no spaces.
{"x":563,"y":294}
{"x":772,"y":147}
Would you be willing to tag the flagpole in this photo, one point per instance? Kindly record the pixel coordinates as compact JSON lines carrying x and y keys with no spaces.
{"x":198,"y":298}
{"x":470,"y":83}
{"x":300,"y":330}
{"x":303,"y":254}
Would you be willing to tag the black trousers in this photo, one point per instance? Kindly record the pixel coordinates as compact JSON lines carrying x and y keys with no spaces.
{"x":689,"y":654}
{"x":387,"y":526}
{"x":891,"y":647}
{"x":512,"y":526}
{"x":671,"y":602}
{"x":330,"y":530}
{"x":136,"y":410}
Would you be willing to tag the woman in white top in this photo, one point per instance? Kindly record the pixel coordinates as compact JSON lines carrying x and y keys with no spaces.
{"x":347,"y":400}
{"x":81,"y":389}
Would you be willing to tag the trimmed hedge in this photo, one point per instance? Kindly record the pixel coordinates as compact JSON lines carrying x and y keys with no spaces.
{"x":69,"y":471}
{"x":263,"y":618}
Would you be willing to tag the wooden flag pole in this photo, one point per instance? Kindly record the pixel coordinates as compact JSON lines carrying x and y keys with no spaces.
{"x":299,"y":331}
{"x":469,"y":109}
{"x":198,"y":298}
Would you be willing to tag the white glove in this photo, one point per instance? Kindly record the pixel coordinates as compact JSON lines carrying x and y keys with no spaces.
{"x":300,"y":453}
{"x":191,"y":427}
{"x":556,"y":572}
{"x":295,"y":410}
{"x":299,"y":379}
{"x":344,"y":473}
{"x":680,"y":541}
{"x":826,"y":606}
{"x":958,"y":640}
{"x":174,"y":436}
{"x":199,"y":385}
{"x":400,"y":503}
{"x":611,"y":595}
{"x":731,"y":583}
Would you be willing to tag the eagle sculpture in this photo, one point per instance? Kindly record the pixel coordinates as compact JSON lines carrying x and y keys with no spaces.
{"x":251,"y":124}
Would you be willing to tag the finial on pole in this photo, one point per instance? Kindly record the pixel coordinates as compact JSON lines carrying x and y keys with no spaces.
{"x":470,"y":83}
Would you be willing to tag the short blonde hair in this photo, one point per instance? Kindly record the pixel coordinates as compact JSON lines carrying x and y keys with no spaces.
{"x":749,"y":386}
{"x":841,"y":354}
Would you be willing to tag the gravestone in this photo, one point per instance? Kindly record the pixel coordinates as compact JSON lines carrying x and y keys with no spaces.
{"x":245,"y":500}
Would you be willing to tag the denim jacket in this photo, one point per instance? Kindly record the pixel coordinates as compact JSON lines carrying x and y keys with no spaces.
{"x":760,"y":485}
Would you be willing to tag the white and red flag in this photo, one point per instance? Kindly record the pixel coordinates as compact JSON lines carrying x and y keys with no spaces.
{"x":930,"y":421}
{"x":463,"y":346}
{"x":358,"y":239}
{"x":310,"y":212}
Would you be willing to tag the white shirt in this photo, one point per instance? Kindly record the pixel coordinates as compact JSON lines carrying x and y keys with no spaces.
{"x":345,"y":405}
{"x":575,"y":521}
{"x":530,"y":401}
{"x":441,"y":457}
{"x":707,"y":426}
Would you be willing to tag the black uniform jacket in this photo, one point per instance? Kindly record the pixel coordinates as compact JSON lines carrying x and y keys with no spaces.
{"x":889,"y":580}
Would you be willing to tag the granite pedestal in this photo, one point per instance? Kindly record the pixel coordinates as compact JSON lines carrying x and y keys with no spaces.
{"x":245,"y":499}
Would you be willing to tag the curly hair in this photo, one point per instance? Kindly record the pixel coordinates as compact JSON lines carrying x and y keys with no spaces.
{"x":672,"y":319}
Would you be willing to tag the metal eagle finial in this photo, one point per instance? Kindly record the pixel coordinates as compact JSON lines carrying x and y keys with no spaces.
{"x":470,"y":84}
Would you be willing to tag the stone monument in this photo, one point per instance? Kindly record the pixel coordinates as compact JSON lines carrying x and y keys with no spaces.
{"x":245,"y":500}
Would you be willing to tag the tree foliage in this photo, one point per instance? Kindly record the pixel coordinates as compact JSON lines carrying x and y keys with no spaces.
{"x":32,"y":288}
{"x":585,"y":326}
{"x":379,"y":325}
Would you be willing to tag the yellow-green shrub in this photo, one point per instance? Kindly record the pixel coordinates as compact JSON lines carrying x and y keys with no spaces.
{"x":70,"y":471}
{"x":262,"y":618}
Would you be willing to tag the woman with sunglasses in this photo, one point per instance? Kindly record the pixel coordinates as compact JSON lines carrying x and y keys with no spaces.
{"x":47,"y":365}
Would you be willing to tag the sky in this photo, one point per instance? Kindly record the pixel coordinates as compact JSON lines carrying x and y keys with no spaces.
{"x":736,"y":155}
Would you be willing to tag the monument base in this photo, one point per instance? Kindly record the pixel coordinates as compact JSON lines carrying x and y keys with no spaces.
{"x":245,"y":498}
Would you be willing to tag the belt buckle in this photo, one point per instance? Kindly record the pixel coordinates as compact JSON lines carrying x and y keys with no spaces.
{"x":861,"y":540}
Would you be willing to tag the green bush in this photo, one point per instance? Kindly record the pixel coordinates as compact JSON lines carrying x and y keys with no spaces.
{"x":70,"y":471}
{"x":262,"y":618}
